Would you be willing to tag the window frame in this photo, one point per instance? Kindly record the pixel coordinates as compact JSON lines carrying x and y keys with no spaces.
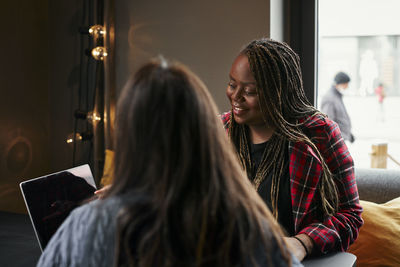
{"x":296,"y":23}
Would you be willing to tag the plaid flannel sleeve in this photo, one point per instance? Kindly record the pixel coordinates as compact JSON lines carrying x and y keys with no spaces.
{"x":338,"y":232}
{"x":226,"y":120}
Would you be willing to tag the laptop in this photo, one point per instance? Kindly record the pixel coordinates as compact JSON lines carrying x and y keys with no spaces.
{"x":49,"y":199}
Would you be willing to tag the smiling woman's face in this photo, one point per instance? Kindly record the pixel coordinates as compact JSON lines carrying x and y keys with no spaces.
{"x":242,"y":93}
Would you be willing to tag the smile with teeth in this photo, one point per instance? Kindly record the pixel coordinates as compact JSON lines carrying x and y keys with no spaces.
{"x":237,"y":109}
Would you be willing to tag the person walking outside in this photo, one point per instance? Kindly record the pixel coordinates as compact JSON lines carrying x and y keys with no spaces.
{"x":381,"y":94}
{"x":333,"y":106}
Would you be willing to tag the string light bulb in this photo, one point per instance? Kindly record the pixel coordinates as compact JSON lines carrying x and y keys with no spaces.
{"x":97,"y":30}
{"x":79,"y":137}
{"x":70,"y":138}
{"x":99,"y":53}
{"x":93,"y":117}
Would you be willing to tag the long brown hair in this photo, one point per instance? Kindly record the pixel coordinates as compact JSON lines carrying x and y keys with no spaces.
{"x":283,"y":103}
{"x":197,"y":206}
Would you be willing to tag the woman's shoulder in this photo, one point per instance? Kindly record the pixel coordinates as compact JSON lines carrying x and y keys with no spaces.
{"x":314,"y":121}
{"x":326,"y":136}
{"x":88,"y":230}
{"x":96,"y":208}
{"x":319,"y":127}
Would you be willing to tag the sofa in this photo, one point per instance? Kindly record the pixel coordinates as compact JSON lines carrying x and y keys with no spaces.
{"x":378,"y":185}
{"x":378,"y":243}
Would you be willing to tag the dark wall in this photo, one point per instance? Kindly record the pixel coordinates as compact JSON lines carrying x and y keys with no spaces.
{"x":205,"y":35}
{"x":38,"y":87}
{"x":24,"y":116}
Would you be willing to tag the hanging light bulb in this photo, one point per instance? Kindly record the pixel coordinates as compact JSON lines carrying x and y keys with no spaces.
{"x":99,"y":53}
{"x":70,"y":138}
{"x":79,"y":137}
{"x":93,"y":117}
{"x":97,"y":30}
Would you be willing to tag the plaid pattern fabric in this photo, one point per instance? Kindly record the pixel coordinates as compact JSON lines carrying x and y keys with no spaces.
{"x":334,"y":233}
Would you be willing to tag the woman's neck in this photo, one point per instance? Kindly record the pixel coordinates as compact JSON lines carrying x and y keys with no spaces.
{"x":260,"y":133}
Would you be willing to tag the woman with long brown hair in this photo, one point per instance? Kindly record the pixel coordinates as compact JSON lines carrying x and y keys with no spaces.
{"x":179,"y":196}
{"x":293,"y":154}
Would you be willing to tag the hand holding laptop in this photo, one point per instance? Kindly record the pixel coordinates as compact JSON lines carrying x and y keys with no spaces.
{"x":100,"y":193}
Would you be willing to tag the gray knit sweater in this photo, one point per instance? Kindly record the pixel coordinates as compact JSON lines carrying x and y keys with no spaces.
{"x":87,"y":238}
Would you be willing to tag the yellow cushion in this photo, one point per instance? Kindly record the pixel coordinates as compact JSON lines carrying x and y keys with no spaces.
{"x":379,"y":241}
{"x":108,"y":171}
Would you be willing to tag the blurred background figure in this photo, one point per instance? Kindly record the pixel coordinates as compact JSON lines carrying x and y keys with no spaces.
{"x":381,"y":94}
{"x":368,"y":72}
{"x":333,"y":106}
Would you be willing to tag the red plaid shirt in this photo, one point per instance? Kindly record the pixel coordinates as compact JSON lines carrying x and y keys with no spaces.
{"x":338,"y":232}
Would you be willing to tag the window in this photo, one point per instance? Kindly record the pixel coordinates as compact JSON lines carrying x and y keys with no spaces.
{"x":362,"y":39}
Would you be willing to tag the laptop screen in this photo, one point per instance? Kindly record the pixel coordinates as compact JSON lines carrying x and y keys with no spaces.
{"x":51,"y":198}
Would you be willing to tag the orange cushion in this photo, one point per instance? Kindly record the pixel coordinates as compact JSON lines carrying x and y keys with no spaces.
{"x":378,"y":243}
{"x":108,"y":171}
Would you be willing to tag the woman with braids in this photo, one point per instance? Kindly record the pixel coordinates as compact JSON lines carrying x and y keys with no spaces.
{"x":179,"y":196}
{"x":293,"y":154}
